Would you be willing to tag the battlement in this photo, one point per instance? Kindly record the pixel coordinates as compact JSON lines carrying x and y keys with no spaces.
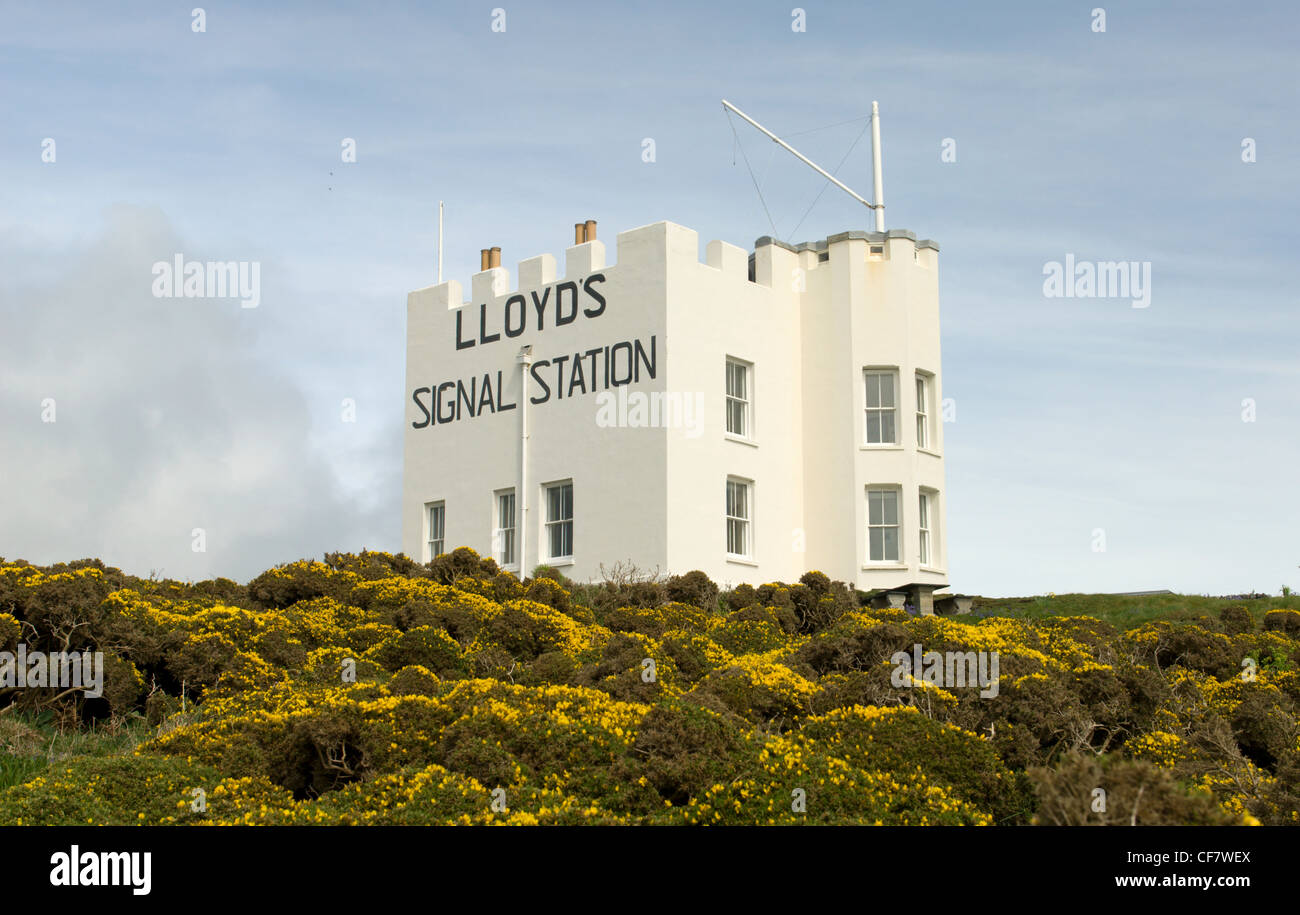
{"x":660,"y":243}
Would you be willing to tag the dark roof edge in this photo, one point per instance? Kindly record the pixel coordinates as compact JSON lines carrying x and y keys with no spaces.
{"x":851,"y":235}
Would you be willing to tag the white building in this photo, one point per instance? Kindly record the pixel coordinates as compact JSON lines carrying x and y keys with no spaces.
{"x":755,"y":415}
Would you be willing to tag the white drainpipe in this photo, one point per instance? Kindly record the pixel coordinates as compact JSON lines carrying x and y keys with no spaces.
{"x":525,"y":360}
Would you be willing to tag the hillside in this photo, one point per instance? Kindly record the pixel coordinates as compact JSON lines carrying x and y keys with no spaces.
{"x":370,"y":689}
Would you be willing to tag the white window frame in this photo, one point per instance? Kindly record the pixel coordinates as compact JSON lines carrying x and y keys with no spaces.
{"x":744,"y":400}
{"x":741,"y":523}
{"x":552,"y":523}
{"x":880,"y":410}
{"x":435,"y":539}
{"x":883,"y":524}
{"x":505,"y":540}
{"x":924,"y":428}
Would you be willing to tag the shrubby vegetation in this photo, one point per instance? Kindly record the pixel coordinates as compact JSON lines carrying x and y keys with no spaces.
{"x":371,"y":689}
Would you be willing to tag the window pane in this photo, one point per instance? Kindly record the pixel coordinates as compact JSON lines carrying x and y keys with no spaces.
{"x":886,"y":390}
{"x":921,"y":440}
{"x":737,"y":499}
{"x":559,"y":536}
{"x":923,"y":511}
{"x":887,"y":428}
{"x":875,"y":513}
{"x":737,"y":518}
{"x":568,"y":501}
{"x":920,"y":394}
{"x":735,"y":417}
{"x":553,"y":504}
{"x":877,"y":544}
{"x":891,"y":543}
{"x":873,"y":428}
{"x":736,"y":380}
{"x":890,"y":500}
{"x":873,"y":390}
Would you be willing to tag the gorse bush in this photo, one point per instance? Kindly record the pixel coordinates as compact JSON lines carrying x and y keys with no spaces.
{"x":367,"y":689}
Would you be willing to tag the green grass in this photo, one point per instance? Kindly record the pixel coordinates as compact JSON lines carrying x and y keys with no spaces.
{"x":1126,"y":612}
{"x":14,"y":770}
{"x":29,"y":744}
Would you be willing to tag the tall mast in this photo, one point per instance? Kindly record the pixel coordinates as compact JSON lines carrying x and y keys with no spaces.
{"x":876,"y":168}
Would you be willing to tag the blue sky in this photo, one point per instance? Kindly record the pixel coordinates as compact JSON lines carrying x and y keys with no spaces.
{"x":1072,"y":415}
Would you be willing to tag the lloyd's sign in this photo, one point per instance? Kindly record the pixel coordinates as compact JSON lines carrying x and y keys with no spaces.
{"x":562,"y":375}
